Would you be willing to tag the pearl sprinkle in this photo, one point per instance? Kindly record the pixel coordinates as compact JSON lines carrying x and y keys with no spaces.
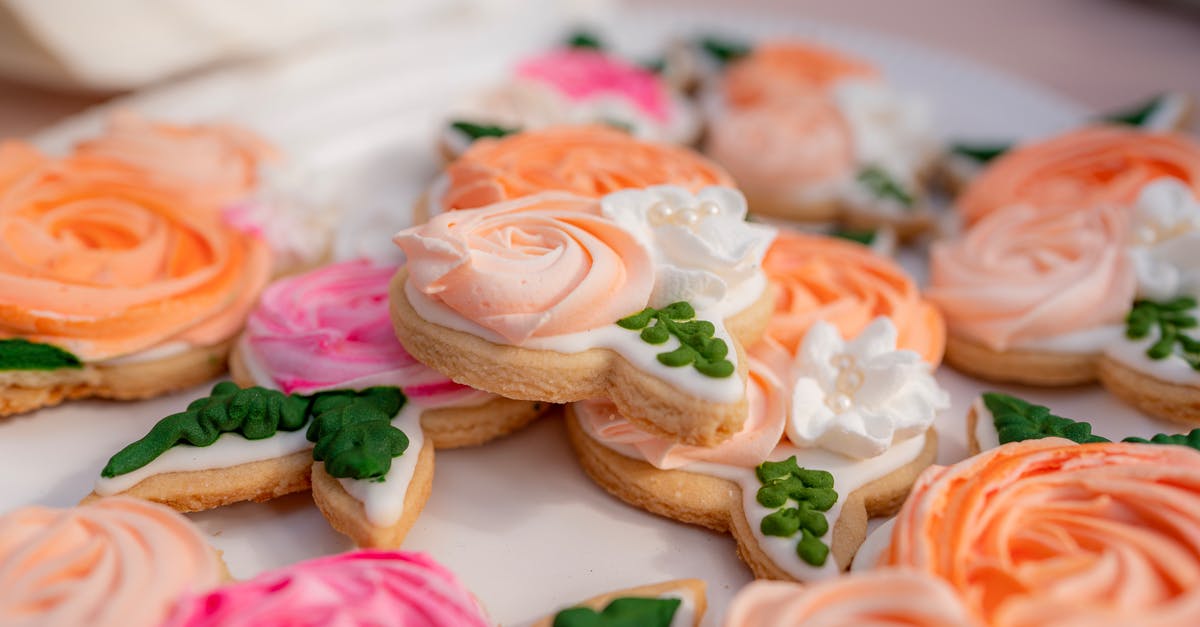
{"x":849,"y":380}
{"x":661,"y":213}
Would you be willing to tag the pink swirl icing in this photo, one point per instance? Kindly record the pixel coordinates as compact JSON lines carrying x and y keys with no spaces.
{"x":329,"y":329}
{"x":359,"y":588}
{"x":582,"y":74}
{"x":747,"y":448}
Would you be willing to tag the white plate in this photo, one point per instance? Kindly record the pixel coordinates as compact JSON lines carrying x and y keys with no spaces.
{"x":516,"y":519}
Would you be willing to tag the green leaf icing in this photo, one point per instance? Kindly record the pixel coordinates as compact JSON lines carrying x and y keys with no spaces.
{"x":623,"y":612}
{"x":881,"y":185}
{"x":1017,"y":420}
{"x":256,"y":413}
{"x":981,"y":153}
{"x":724,"y":50}
{"x":697,"y":346}
{"x":1190,"y":439}
{"x":353,"y":431}
{"x":20,"y":354}
{"x":864,"y":237}
{"x":1170,"y":319}
{"x":585,"y":39}
{"x":813,"y":492}
{"x":477,"y":131}
{"x":1138,"y":115}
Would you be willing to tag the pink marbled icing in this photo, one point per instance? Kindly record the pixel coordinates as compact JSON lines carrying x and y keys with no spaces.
{"x":581,"y":74}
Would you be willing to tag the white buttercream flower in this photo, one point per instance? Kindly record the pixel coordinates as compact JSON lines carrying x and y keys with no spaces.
{"x":703,"y":247}
{"x":891,"y":130}
{"x":857,"y":397}
{"x":1166,"y":240}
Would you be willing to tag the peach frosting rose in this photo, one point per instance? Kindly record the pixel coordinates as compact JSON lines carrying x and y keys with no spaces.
{"x":98,"y":259}
{"x":586,"y":160}
{"x":1024,"y":274}
{"x":538,"y":266}
{"x":847,"y":285}
{"x":778,"y":70}
{"x":117,"y":562}
{"x":1049,"y":532}
{"x":1083,"y":168}
{"x":211,"y":165}
{"x":888,"y":596}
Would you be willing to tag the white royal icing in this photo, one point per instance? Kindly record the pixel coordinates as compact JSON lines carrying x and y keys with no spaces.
{"x":702,"y":245}
{"x":230,"y":449}
{"x":857,"y":397}
{"x":1165,"y":246}
{"x":1172,"y":368}
{"x":384,"y":500}
{"x":985,"y":434}
{"x":167,"y":349}
{"x":685,"y":614}
{"x":1081,"y":342}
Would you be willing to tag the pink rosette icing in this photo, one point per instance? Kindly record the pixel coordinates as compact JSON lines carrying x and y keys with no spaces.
{"x":537,"y":266}
{"x":581,"y":74}
{"x":330,"y":329}
{"x":1023,"y":274}
{"x":360,"y":588}
{"x":747,"y":448}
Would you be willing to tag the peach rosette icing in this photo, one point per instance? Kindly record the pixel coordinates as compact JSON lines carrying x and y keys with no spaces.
{"x":586,"y":160}
{"x":99,"y":259}
{"x":891,"y":596}
{"x":1028,"y":274}
{"x":1049,"y":532}
{"x":118,"y":562}
{"x":348,"y":590}
{"x":1102,"y":165}
{"x":846,"y":284}
{"x":540,"y":266}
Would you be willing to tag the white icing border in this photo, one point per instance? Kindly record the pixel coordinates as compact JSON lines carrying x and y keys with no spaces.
{"x":1172,"y":368}
{"x":383,"y":500}
{"x":986,"y":436}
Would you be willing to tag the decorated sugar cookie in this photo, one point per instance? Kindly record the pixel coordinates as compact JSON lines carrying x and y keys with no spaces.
{"x":585,"y":160}
{"x":329,"y":329}
{"x":811,"y":133}
{"x":568,"y":86}
{"x":356,"y":588}
{"x":888,"y":596}
{"x":679,"y":603}
{"x":363,"y":453}
{"x":1167,"y":112}
{"x":119,"y":276}
{"x":118,"y":562}
{"x":643,"y":296}
{"x":1050,"y":532}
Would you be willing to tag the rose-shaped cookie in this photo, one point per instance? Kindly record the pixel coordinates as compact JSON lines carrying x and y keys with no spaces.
{"x":356,"y":588}
{"x":544,"y":298}
{"x":329,"y":329}
{"x":1034,"y":294}
{"x":847,"y":285}
{"x":1100,"y":165}
{"x":586,"y":160}
{"x":892,"y":596}
{"x":143,"y":289}
{"x":118,"y":562}
{"x":1052,"y":532}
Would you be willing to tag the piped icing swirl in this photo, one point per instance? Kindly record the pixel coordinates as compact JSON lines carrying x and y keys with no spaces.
{"x":1052,"y":532}
{"x":847,"y":285}
{"x":586,"y":160}
{"x":538,"y":266}
{"x":777,"y":70}
{"x":583,"y":74}
{"x":99,"y":258}
{"x":1027,"y":273}
{"x":329,"y":329}
{"x":359,"y":588}
{"x":889,"y":596}
{"x":1101,"y":165}
{"x":117,"y":562}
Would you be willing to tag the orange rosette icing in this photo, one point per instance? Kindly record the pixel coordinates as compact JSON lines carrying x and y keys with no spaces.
{"x":538,"y":266}
{"x":97,"y":258}
{"x":1024,"y":274}
{"x":589,"y":161}
{"x":889,"y":596}
{"x":847,"y":285}
{"x":784,"y":69}
{"x":211,"y":165}
{"x":117,"y":562}
{"x":1092,"y":166}
{"x":1049,"y":532}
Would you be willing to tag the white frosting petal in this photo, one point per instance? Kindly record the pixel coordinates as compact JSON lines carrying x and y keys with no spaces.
{"x":1166,"y":240}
